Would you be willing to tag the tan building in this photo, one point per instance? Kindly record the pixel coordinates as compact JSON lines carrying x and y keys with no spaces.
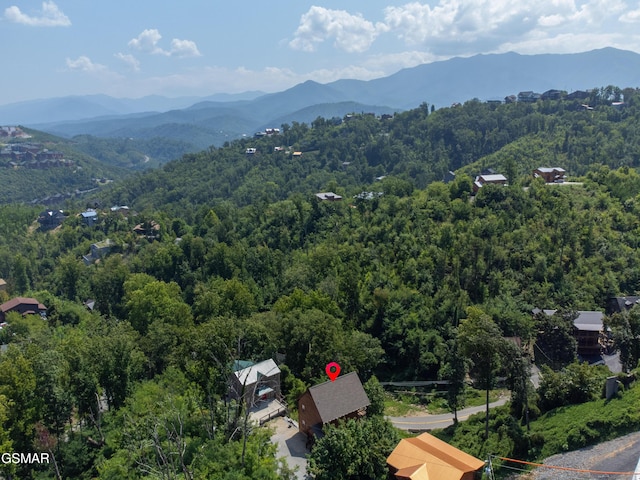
{"x":493,"y":178}
{"x":550,"y":174}
{"x":426,"y":457}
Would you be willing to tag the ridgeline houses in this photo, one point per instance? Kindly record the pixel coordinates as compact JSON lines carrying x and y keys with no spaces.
{"x":13,"y":132}
{"x":32,"y":155}
{"x":550,"y":175}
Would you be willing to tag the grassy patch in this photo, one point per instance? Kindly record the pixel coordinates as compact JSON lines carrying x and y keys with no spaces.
{"x":406,"y":404}
{"x":576,"y":426}
{"x":560,"y":430}
{"x":402,"y":405}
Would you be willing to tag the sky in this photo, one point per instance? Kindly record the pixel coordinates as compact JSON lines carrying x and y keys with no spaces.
{"x":202,"y":47}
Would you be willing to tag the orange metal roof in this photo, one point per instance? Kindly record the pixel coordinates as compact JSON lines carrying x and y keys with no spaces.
{"x":442,"y":461}
{"x":417,"y":472}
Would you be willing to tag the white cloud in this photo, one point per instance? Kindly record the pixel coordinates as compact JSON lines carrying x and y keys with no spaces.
{"x":351,"y":33}
{"x":84,"y":64}
{"x":630,"y":17}
{"x":184,"y":48}
{"x":148,"y":41}
{"x":551,"y":20}
{"x":50,"y":16}
{"x":463,"y":27}
{"x":101,"y":72}
{"x":452,"y":27}
{"x":130,"y":60}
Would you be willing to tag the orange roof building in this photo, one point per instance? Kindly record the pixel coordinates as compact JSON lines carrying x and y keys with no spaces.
{"x":426,"y":457}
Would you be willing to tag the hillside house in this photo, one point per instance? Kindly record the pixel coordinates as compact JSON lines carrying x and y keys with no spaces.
{"x":98,"y":250}
{"x":368,"y":195}
{"x":13,"y":132}
{"x":621,"y":304}
{"x":449,"y":177}
{"x":121,"y":209}
{"x":588,"y":331}
{"x":550,"y":174}
{"x":150,"y":230}
{"x":23,"y":306}
{"x":494,"y":178}
{"x":89,"y":217}
{"x":528,"y":97}
{"x":578,"y":95}
{"x":255,"y":383}
{"x":329,"y":402}
{"x":552,"y":95}
{"x":3,"y":285}
{"x":328,"y":197}
{"x":426,"y":457}
{"x":50,"y":219}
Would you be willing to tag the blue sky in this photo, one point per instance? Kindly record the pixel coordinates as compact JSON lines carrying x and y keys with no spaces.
{"x":199,"y":47}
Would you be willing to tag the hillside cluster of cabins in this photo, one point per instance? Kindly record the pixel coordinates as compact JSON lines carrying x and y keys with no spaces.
{"x":13,"y":132}
{"x":548,"y":174}
{"x":32,"y":155}
{"x":553,"y":94}
{"x":258,"y":385}
{"x":51,"y":219}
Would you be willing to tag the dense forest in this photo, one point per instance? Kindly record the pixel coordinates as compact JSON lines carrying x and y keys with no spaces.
{"x":234,"y":258}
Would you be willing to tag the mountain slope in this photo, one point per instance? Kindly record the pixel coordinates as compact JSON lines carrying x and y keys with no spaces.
{"x":72,"y":108}
{"x":52,"y":182}
{"x":440,"y":83}
{"x":413,"y":148}
{"x":496,"y":76}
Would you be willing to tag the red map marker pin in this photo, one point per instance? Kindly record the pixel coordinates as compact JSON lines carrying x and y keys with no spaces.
{"x":333,"y":370}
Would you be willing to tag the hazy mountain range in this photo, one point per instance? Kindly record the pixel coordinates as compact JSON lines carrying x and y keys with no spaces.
{"x":212,"y":120}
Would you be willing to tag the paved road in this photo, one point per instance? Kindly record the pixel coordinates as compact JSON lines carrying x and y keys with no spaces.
{"x":619,"y":455}
{"x":622,"y":459}
{"x":428,"y":422}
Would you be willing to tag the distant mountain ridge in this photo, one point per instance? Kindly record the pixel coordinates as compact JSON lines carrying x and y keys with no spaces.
{"x":214,"y":120}
{"x":79,"y":107}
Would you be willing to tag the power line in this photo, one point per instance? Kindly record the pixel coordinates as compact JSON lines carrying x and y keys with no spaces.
{"x":523,"y":470}
{"x":569,"y":469}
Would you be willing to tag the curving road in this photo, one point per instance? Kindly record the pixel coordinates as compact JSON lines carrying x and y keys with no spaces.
{"x":429,"y":422}
{"x":619,"y":455}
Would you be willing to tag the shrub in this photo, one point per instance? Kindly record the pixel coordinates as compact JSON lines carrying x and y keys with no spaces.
{"x":574,"y":384}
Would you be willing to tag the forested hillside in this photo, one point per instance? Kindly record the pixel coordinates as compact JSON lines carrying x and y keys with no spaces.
{"x":29,"y":181}
{"x":228,"y":256}
{"x":418,"y":146}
